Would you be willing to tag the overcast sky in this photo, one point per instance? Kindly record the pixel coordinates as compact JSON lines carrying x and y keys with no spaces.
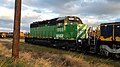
{"x":91,"y":12}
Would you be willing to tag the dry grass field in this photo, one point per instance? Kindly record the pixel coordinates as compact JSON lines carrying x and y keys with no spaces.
{"x":41,"y":56}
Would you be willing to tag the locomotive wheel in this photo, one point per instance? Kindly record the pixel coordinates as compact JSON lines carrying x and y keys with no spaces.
{"x":107,"y":53}
{"x":104,"y":52}
{"x":67,"y":48}
{"x":117,"y":55}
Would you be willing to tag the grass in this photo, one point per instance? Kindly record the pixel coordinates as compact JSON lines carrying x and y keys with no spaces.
{"x":41,"y":56}
{"x":9,"y":62}
{"x":5,"y":57}
{"x":91,"y":59}
{"x":54,"y":57}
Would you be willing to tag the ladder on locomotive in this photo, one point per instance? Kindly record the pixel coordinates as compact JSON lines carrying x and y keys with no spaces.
{"x":92,"y":40}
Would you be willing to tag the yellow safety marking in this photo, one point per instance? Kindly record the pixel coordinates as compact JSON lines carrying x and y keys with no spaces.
{"x":117,"y":38}
{"x":106,"y":39}
{"x":71,"y":39}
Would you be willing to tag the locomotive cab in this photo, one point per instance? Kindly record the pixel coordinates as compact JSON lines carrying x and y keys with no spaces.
{"x":75,"y":30}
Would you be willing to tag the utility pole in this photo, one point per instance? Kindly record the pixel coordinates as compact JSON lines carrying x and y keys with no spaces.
{"x":16,"y":34}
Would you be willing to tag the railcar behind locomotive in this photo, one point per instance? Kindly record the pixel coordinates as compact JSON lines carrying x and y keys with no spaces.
{"x":68,"y":31}
{"x":105,"y":39}
{"x":110,"y":39}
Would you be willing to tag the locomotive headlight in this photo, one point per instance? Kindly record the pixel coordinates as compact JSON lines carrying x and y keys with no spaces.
{"x":78,"y":26}
{"x":65,"y":23}
{"x":79,"y":40}
{"x":71,"y":23}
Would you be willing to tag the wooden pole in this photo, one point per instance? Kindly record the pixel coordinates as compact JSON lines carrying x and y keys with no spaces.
{"x":16,"y":34}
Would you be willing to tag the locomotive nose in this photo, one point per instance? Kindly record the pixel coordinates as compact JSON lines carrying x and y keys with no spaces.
{"x":82,"y":31}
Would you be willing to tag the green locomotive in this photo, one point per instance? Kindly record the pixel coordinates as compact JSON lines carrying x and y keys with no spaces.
{"x":68,"y":31}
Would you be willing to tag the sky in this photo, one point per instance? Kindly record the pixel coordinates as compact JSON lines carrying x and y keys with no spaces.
{"x":91,"y":12}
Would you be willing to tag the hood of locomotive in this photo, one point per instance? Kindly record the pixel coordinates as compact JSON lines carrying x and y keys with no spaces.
{"x":82,"y":31}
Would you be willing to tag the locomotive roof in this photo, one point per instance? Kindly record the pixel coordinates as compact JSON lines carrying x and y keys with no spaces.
{"x":36,"y":22}
{"x":54,"y":19}
{"x":50,"y":22}
{"x":61,"y":18}
{"x":110,"y":23}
